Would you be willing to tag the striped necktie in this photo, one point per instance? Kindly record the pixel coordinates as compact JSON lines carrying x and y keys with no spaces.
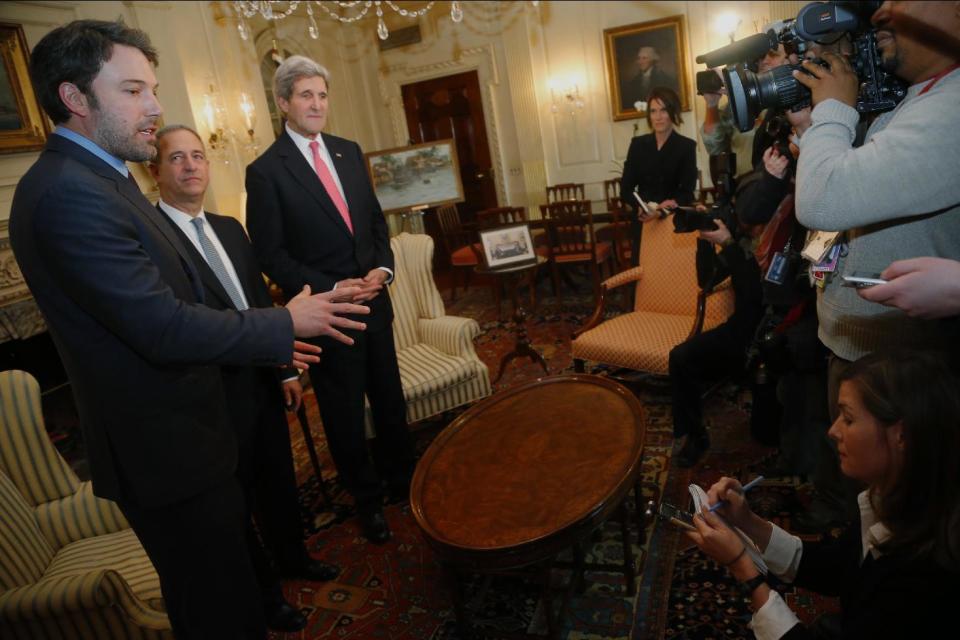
{"x":216,"y":265}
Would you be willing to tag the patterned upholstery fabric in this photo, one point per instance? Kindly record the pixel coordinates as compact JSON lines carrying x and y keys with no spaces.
{"x":70,"y":566}
{"x":665,"y":305}
{"x":439,"y":368}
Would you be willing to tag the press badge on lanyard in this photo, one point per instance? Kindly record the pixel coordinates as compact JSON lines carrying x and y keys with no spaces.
{"x":777,"y":271}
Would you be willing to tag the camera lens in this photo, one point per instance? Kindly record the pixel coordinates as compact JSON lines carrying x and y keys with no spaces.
{"x":750,"y":93}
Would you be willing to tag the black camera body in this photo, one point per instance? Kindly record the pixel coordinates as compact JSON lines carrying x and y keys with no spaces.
{"x":708,"y":82}
{"x":750,"y":93}
{"x":690,"y":220}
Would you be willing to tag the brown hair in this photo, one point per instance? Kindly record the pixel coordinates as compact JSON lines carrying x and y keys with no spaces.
{"x":920,"y":503}
{"x":670,"y":100}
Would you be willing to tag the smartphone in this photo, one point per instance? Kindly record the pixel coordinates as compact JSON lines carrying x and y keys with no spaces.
{"x":862,"y":280}
{"x":676,"y":516}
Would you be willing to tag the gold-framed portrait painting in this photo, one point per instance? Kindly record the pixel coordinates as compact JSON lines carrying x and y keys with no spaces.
{"x":642,"y":56}
{"x":23,"y":126}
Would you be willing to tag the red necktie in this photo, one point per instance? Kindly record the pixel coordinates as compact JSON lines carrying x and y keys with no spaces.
{"x":323,"y":172}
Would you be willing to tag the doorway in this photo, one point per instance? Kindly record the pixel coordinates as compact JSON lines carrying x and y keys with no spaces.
{"x":452,"y":107}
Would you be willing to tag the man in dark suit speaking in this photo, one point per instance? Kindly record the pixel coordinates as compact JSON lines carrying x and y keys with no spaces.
{"x":123,"y":303}
{"x":231,"y":279}
{"x":314,"y":220}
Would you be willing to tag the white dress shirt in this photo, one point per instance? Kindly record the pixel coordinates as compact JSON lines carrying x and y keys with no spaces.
{"x":182,"y":220}
{"x":782,"y":555}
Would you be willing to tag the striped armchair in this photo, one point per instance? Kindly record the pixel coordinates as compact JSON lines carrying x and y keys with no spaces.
{"x":70,"y":565}
{"x":439,"y":368}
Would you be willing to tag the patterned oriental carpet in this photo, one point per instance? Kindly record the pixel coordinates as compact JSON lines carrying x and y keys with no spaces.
{"x":397,"y":591}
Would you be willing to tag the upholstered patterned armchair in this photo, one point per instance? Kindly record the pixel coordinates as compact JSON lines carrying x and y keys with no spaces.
{"x":668,"y":308}
{"x":439,"y":368}
{"x":70,"y":566}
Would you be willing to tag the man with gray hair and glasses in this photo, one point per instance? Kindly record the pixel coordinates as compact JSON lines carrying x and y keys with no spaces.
{"x":314,"y":220}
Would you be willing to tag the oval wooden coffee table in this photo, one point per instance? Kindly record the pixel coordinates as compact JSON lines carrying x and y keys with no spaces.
{"x":528,"y":472}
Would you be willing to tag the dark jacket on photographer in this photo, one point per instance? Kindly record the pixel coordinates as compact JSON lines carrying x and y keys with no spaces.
{"x":790,"y":303}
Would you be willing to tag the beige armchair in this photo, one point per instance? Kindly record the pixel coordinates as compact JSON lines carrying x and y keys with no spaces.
{"x":439,"y":368}
{"x":669,"y":307}
{"x":70,"y":566}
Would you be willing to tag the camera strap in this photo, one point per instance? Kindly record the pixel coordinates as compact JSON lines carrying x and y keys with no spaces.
{"x":935,"y":79}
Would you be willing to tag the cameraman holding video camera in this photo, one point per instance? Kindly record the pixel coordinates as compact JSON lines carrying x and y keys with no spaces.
{"x":894,"y":198}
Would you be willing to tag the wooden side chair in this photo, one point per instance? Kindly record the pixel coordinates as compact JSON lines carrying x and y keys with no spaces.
{"x":461,"y":245}
{"x":611,"y":192}
{"x":572,"y":240}
{"x":565,"y":191}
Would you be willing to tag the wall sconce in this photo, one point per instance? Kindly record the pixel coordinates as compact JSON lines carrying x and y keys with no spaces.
{"x":566,"y":95}
{"x":220,"y":136}
{"x":727,"y":24}
{"x":214,"y":117}
{"x":251,"y":145}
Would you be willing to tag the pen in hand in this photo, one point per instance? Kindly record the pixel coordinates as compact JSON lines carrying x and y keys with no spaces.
{"x":746,"y":487}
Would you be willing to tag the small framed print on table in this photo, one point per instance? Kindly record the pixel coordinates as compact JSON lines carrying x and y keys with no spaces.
{"x":509,"y":246}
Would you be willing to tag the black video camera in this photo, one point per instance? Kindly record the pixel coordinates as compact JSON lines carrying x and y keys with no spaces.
{"x":688,"y":219}
{"x":750,"y":93}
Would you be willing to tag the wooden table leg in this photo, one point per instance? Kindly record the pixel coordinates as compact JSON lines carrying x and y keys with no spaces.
{"x":522,"y":349}
{"x":312,"y":452}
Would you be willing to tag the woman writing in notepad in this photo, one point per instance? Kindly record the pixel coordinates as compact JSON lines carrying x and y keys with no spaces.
{"x":895,"y":571}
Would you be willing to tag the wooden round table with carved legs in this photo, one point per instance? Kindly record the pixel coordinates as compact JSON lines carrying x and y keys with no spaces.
{"x":526,"y":474}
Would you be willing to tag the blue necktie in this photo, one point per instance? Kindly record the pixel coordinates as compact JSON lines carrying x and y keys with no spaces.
{"x":216,"y":264}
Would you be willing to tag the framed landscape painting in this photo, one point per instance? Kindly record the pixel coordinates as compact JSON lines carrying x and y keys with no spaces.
{"x":642,"y":56}
{"x":419,"y":175}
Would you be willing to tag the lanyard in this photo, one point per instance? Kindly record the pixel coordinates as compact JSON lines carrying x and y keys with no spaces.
{"x":937,"y":77}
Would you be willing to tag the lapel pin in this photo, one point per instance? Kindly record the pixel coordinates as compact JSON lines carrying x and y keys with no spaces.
{"x":338,"y":155}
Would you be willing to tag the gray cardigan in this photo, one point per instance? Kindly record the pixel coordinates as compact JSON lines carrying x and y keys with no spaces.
{"x":897,"y":197}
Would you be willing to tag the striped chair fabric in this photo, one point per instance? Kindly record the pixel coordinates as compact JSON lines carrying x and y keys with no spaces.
{"x":439,"y":368}
{"x":665,"y":306}
{"x":70,"y":566}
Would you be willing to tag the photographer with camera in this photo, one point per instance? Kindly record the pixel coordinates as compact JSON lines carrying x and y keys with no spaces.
{"x":772,"y":333}
{"x":896,"y":197}
{"x":719,"y":132}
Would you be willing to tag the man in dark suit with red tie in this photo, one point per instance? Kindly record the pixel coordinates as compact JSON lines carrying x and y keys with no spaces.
{"x":314,"y":219}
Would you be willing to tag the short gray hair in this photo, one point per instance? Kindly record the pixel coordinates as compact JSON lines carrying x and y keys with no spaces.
{"x":291,"y":70}
{"x":654,"y":55}
{"x":170,"y":128}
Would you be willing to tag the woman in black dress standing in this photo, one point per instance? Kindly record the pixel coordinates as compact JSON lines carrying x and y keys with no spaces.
{"x":661,"y":165}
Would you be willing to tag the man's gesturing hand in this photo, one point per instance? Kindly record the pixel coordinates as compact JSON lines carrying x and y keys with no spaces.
{"x":320,"y":314}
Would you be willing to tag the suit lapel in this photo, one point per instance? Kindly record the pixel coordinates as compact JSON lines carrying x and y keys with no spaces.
{"x":207,"y":276}
{"x":303,"y":173}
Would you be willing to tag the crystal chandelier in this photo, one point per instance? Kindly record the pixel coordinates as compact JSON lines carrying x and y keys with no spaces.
{"x":344,"y":11}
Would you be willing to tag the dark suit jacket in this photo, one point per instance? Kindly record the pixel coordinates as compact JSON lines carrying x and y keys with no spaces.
{"x":670,"y":172}
{"x":122,"y":302}
{"x":892,"y":597}
{"x":248,"y":389}
{"x":297,"y":232}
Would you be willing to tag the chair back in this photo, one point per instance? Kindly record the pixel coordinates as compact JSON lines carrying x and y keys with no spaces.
{"x":500,"y":216}
{"x":413,"y":291}
{"x":668,"y":260}
{"x":26,"y":554}
{"x":454,"y":234}
{"x":611,"y":193}
{"x":570,"y":224}
{"x":565,"y":191}
{"x":26,"y":454}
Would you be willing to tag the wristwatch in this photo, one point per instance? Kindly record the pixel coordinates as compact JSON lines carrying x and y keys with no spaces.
{"x":749,"y":586}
